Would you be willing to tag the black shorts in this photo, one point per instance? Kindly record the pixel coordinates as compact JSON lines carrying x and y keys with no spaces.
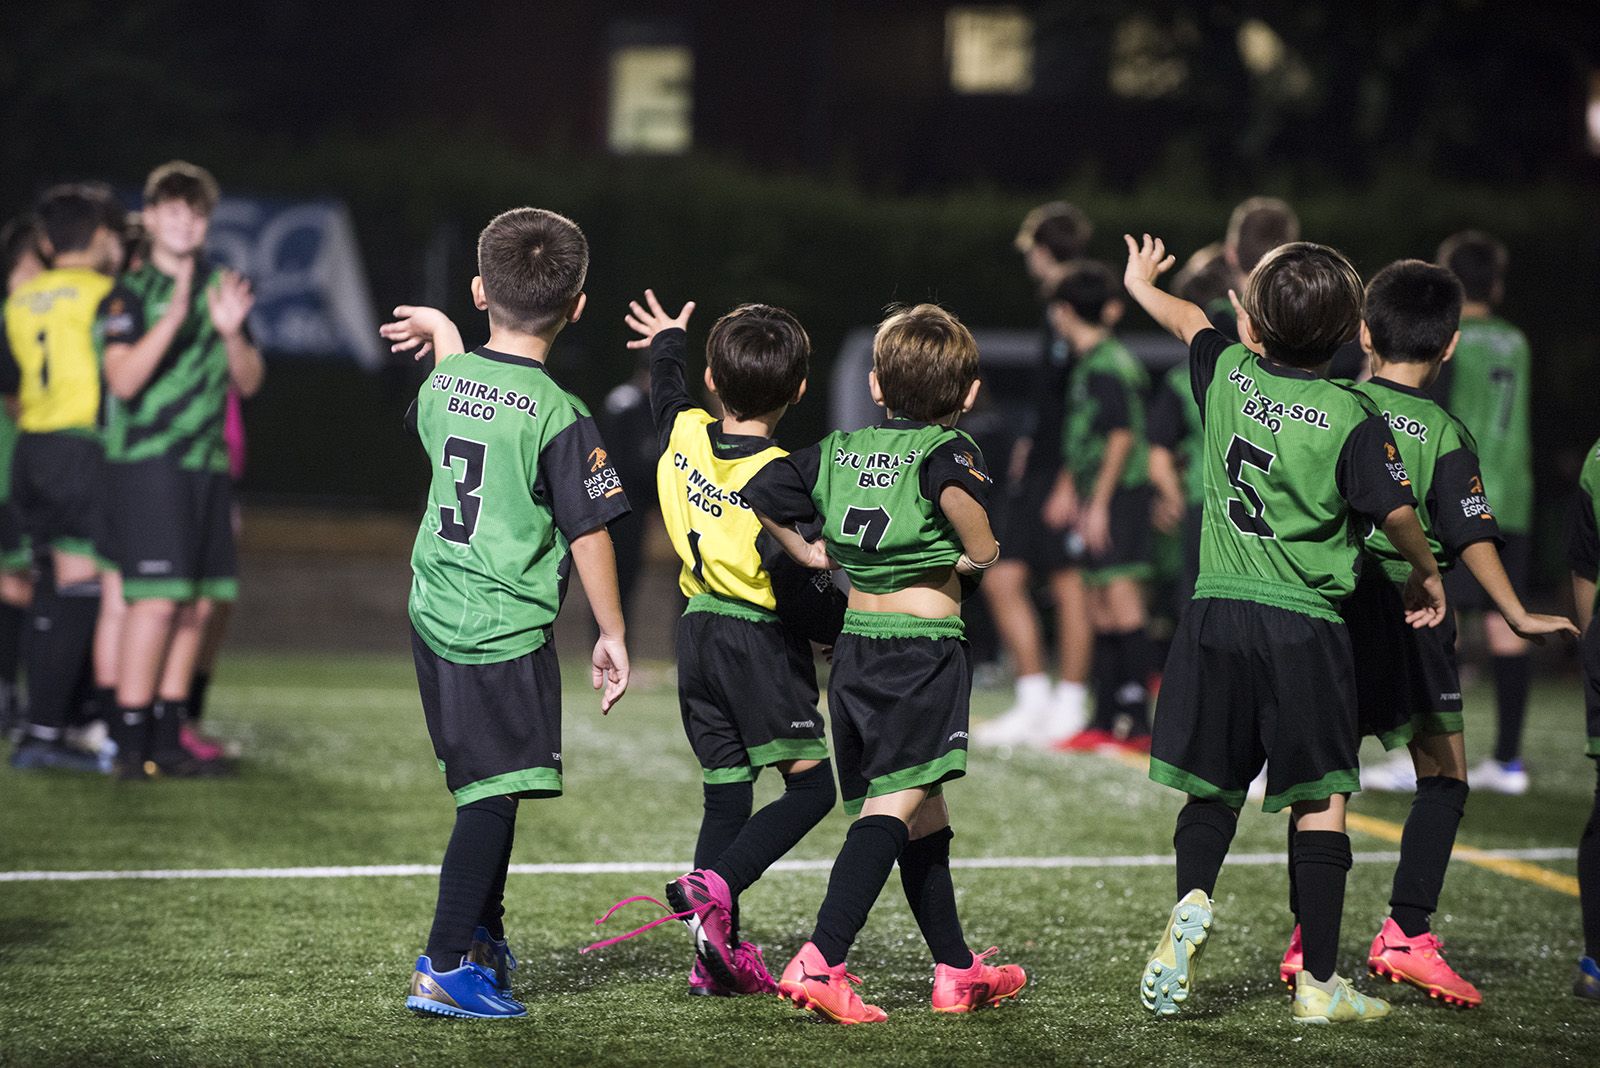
{"x":16,"y":548}
{"x":58,"y":490}
{"x":1462,"y":591}
{"x":172,"y":530}
{"x":1129,"y":554}
{"x":1407,"y":683}
{"x":1589,"y":650}
{"x":898,"y":698}
{"x":1020,"y":529}
{"x":495,"y":728}
{"x":1247,"y":684}
{"x":747,"y":690}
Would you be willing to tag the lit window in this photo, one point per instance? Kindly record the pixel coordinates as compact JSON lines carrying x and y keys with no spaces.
{"x":990,"y":49}
{"x":1592,"y":117}
{"x":1146,"y":59}
{"x":651,"y":98}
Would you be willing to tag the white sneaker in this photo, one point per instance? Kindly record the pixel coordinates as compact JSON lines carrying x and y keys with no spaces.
{"x":1499,"y":778}
{"x":1020,"y":724}
{"x":1397,"y":775}
{"x":1066,"y":715}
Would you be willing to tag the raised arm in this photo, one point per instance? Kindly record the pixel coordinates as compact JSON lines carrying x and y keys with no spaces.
{"x":424,"y":330}
{"x":1483,"y":560}
{"x":1147,"y":261}
{"x":231,"y":299}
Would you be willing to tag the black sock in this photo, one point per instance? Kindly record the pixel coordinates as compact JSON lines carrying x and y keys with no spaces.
{"x":1322,"y":863}
{"x":1512,"y":677}
{"x":925,"y":877}
{"x":1130,"y":696}
{"x":473,"y":863}
{"x":863,"y":865}
{"x":727,"y":810}
{"x":1425,"y":845}
{"x":12,"y":620}
{"x":166,"y":721}
{"x":59,"y":652}
{"x":105,"y":703}
{"x":1201,"y":839}
{"x":807,"y":797}
{"x":130,"y":729}
{"x":1589,"y":877}
{"x":197,"y":695}
{"x":1294,"y":891}
{"x":494,"y":907}
{"x":1103,"y":681}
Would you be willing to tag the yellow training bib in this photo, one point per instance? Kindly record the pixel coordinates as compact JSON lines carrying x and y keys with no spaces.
{"x":50,"y":325}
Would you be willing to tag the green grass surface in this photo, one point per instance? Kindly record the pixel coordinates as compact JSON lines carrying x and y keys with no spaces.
{"x":338,"y":772}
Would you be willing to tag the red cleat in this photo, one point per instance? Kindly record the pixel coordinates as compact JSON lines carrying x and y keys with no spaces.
{"x":830,"y":992}
{"x":1420,"y":962}
{"x":1294,"y":960}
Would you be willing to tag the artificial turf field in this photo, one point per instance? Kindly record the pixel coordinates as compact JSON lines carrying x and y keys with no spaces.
{"x":256,"y":970}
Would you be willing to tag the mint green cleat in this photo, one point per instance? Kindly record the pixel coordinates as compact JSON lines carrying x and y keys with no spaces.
{"x":1313,"y":1005}
{"x":1169,"y":977}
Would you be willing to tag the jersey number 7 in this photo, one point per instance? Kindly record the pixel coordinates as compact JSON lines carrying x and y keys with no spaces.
{"x":457,"y":524}
{"x":869,"y":524}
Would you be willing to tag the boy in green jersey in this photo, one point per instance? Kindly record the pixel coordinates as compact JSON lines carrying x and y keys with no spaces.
{"x":1260,"y":668}
{"x":1583,"y":552}
{"x":903,"y":508}
{"x":1101,"y":504}
{"x":521,"y":491}
{"x":1487,"y":387}
{"x":175,"y":339}
{"x":1408,"y":691}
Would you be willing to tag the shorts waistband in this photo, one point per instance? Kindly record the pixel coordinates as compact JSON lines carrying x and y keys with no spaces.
{"x":1282,"y":595}
{"x":718,"y":605}
{"x":901,"y":625}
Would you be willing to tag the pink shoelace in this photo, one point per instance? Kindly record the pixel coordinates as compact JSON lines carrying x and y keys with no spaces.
{"x":640,"y":930}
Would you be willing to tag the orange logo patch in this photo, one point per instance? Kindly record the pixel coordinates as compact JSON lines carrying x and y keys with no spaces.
{"x":597,"y":459}
{"x":1389,"y":448}
{"x":1476,"y":485}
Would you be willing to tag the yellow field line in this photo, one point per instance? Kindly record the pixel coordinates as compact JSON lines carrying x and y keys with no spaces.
{"x":1391,"y":832}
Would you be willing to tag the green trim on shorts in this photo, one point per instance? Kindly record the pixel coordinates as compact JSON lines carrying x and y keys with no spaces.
{"x":1335,"y":782}
{"x":138,"y":589}
{"x":75,"y":547}
{"x":780,"y":749}
{"x":436,"y":760}
{"x":1189,"y":783}
{"x":1594,"y":747}
{"x":543,"y":782}
{"x":1400,"y":736}
{"x":723,"y":776}
{"x":220,"y":589}
{"x":17,"y":560}
{"x":932,"y":775}
{"x":1439,"y":723}
{"x":732,"y":607}
{"x":1105,"y":576}
{"x":1284,"y":595}
{"x":901,"y":625}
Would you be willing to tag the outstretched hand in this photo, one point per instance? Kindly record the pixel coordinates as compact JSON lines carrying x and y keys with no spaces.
{"x":649,"y":323}
{"x":416,"y":330}
{"x":1534,"y":627}
{"x":231,"y":299}
{"x":1147,"y":261}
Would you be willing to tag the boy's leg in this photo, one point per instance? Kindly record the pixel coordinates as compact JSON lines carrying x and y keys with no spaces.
{"x":107,"y":640}
{"x":146,"y":632}
{"x":1322,"y":861}
{"x":1430,"y":830}
{"x":1128,"y":646}
{"x":925,"y":877}
{"x":474,"y":865}
{"x":1200,"y":842}
{"x":58,"y":654}
{"x":1513,"y":677}
{"x":216,"y":632}
{"x":808,"y":796}
{"x":1075,"y":640}
{"x":1589,"y":878}
{"x":1005,"y":588}
{"x":871,"y":848}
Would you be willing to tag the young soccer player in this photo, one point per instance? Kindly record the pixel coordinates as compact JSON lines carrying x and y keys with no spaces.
{"x":1408,"y":691}
{"x":1487,"y":387}
{"x":1583,"y":551}
{"x":903,"y":511}
{"x":20,"y":263}
{"x":1103,"y":495}
{"x":175,"y":340}
{"x":56,"y":473}
{"x":750,"y":607}
{"x":1260,"y":668}
{"x":521,"y":490}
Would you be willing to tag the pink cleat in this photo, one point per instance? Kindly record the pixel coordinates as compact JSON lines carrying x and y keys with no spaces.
{"x":750,"y":969}
{"x":1294,"y":960}
{"x":829,"y":991}
{"x":1420,"y":962}
{"x":958,"y":990}
{"x":702,"y":985}
{"x":702,"y":901}
{"x":198,"y":745}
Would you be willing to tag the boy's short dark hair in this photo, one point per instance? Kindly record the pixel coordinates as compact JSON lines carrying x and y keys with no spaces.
{"x":758,"y":357}
{"x":533,"y":264}
{"x":1476,"y":258}
{"x":1062,"y":228}
{"x":68,"y":217}
{"x":1413,"y":310}
{"x":1087,"y":288}
{"x":18,"y":237}
{"x":1258,"y":226}
{"x":180,"y":180}
{"x":1304,"y":301}
{"x":1204,"y":277}
{"x":925,"y":360}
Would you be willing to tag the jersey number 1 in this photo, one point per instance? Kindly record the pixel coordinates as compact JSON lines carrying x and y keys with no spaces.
{"x":457,"y":524}
{"x":1248,"y":517}
{"x":869,"y":524}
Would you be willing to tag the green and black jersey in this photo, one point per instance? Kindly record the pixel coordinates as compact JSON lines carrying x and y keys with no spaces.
{"x":876,"y":491}
{"x":1488,"y":386}
{"x":1439,"y":457}
{"x":180,"y":412}
{"x":1175,"y":426}
{"x":1583,"y":544}
{"x":1105,"y":392}
{"x":1294,"y":469}
{"x":519,"y":471}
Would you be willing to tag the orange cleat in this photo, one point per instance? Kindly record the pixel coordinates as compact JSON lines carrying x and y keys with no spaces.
{"x":1294,"y":960}
{"x":830,"y":992}
{"x":964,"y":989}
{"x":1420,"y":962}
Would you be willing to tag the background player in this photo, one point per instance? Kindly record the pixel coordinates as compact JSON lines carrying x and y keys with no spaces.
{"x":520,"y":487}
{"x":903,"y":511}
{"x":20,"y":263}
{"x":1583,"y":552}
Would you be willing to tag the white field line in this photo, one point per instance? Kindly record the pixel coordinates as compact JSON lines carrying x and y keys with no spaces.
{"x":1151,"y":860}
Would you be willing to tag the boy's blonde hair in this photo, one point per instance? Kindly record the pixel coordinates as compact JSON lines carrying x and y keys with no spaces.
{"x":926,"y":360}
{"x":181,"y":180}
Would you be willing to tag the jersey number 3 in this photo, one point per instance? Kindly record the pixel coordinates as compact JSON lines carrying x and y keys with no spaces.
{"x":457,"y":524}
{"x":1247,"y":515}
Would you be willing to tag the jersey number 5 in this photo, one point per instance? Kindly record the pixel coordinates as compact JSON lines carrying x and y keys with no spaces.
{"x":868,"y":524}
{"x":457,"y":524}
{"x":1246,"y":515}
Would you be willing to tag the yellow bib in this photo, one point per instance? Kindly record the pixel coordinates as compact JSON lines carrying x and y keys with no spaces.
{"x":712,"y":529}
{"x":50,"y":324}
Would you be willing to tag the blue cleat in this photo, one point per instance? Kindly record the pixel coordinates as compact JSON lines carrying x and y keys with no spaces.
{"x":34,"y":754}
{"x":494,"y":954}
{"x":468,"y":992}
{"x":1586,"y":980}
